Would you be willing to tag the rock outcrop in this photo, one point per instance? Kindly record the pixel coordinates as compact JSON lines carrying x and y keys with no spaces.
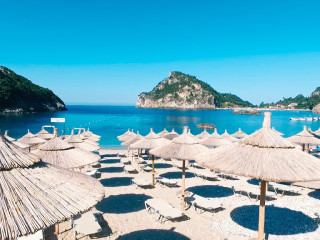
{"x":182,"y":91}
{"x":20,"y":95}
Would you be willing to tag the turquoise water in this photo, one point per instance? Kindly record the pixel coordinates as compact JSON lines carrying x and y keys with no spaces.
{"x":111,"y":121}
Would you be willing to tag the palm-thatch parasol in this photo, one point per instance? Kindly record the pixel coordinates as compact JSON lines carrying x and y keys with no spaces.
{"x":239,"y":134}
{"x":227,"y":136}
{"x":303,"y":138}
{"x":132,"y":139}
{"x":280,"y":133}
{"x":90,"y":135}
{"x":58,"y":152}
{"x":79,"y":143}
{"x":150,"y":141}
{"x":31,"y":139}
{"x":171,"y":135}
{"x":8,"y":137}
{"x":44,"y":134}
{"x":163,"y":133}
{"x":124,"y":134}
{"x":317,"y":132}
{"x":215,"y":140}
{"x":181,"y":148}
{"x":17,"y":143}
{"x":126,"y":137}
{"x":204,"y":134}
{"x":266,"y":156}
{"x":36,"y":195}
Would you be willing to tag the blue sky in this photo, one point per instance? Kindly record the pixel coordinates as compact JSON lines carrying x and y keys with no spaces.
{"x":107,"y":52}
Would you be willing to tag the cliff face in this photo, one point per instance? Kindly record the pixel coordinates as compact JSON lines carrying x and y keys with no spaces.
{"x":18,"y":95}
{"x":182,"y":91}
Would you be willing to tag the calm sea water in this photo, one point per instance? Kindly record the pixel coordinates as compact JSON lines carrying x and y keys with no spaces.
{"x":111,"y":121}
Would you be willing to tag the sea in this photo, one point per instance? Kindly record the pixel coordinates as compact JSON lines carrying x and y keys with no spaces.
{"x":112,"y":121}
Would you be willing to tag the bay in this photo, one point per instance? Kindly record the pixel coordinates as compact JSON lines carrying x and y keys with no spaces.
{"x":111,"y":121}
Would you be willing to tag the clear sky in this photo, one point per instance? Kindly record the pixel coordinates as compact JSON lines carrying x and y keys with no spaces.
{"x":108,"y":51}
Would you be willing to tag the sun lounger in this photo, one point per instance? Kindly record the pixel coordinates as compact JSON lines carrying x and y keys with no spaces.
{"x":203,"y":204}
{"x":167,"y":182}
{"x":141,"y":182}
{"x":312,"y":185}
{"x":281,"y":189}
{"x":163,"y":210}
{"x":129,"y":169}
{"x":95,"y":165}
{"x":125,"y":161}
{"x":91,"y":172}
{"x":195,"y":165}
{"x":140,"y":160}
{"x":36,"y":236}
{"x":205,"y":174}
{"x":146,"y":168}
{"x":85,"y":224}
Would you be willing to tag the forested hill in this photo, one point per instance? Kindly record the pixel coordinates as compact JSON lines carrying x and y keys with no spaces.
{"x":183,"y":91}
{"x":18,"y":95}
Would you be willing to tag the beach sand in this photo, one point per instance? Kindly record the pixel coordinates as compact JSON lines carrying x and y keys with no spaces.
{"x":124,"y":216}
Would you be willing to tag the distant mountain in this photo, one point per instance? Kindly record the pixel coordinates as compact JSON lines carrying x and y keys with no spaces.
{"x":18,"y":95}
{"x":300,"y":102}
{"x":182,"y":91}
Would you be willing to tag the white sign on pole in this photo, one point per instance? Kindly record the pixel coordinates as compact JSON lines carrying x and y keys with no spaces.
{"x":58,"y":120}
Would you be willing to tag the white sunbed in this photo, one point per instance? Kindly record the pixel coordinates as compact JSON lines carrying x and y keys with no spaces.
{"x":281,"y":189}
{"x":140,"y":160}
{"x":167,"y":182}
{"x":141,"y":182}
{"x":195,"y":165}
{"x":91,"y":172}
{"x":95,"y":165}
{"x":36,"y":236}
{"x":129,"y":169}
{"x":203,"y":204}
{"x":85,"y":224}
{"x":125,"y":161}
{"x":163,"y":210}
{"x":146,"y":168}
{"x":205,"y":174}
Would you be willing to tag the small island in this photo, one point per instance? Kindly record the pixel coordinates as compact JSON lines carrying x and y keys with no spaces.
{"x":20,"y":95}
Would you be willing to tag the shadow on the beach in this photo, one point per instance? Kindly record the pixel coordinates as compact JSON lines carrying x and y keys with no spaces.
{"x":315,"y":194}
{"x":106,"y":230}
{"x":176,"y":175}
{"x":279,"y":221}
{"x":123,"y":203}
{"x":111,"y":170}
{"x":160,"y":165}
{"x":211,"y":191}
{"x":254,"y":182}
{"x":153,"y":234}
{"x":110,"y":161}
{"x":116,"y":181}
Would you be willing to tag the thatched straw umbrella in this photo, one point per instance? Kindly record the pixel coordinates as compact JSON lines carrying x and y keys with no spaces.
{"x":36,"y":195}
{"x":8,"y":137}
{"x":215,"y":140}
{"x":303,"y":138}
{"x":15,"y":142}
{"x":31,"y":139}
{"x":171,"y":135}
{"x":132,"y":139}
{"x":317,"y":132}
{"x":181,"y":148}
{"x":280,"y":133}
{"x":266,"y":156}
{"x":126,"y":137}
{"x":163,"y":133}
{"x":227,"y":136}
{"x":60,"y":153}
{"x":44,"y":134}
{"x":122,"y":135}
{"x":90,"y":135}
{"x":239,"y":134}
{"x":150,"y":141}
{"x":77,"y":142}
{"x":204,"y":134}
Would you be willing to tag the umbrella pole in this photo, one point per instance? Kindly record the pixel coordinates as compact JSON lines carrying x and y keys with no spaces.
{"x":303,"y":147}
{"x":153,"y":183}
{"x":56,"y":229}
{"x":262,"y":209}
{"x":183,"y":183}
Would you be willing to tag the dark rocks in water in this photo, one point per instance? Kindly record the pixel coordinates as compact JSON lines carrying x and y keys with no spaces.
{"x":19,"y":95}
{"x":249,"y":111}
